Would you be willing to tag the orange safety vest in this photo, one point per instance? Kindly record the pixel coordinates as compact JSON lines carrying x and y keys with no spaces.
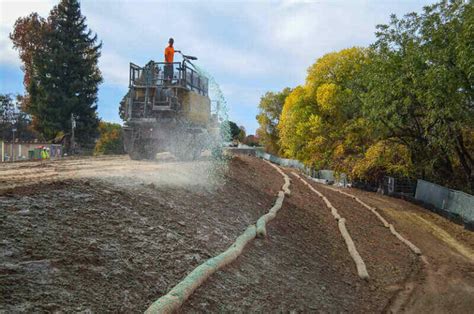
{"x":169,"y":54}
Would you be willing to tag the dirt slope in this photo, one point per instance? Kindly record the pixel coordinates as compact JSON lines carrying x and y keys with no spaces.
{"x":304,"y":265}
{"x":110,"y":234}
{"x":88,"y":244}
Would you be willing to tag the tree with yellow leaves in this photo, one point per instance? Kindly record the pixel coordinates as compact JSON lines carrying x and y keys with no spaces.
{"x":403,"y":107}
{"x":111,"y":139}
{"x":321,"y":122}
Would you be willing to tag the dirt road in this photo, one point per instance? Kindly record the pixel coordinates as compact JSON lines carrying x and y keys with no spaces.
{"x":446,"y":283}
{"x":110,"y":234}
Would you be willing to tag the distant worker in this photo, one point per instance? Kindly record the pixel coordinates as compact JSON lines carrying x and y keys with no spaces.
{"x":44,"y":153}
{"x":169,"y":57}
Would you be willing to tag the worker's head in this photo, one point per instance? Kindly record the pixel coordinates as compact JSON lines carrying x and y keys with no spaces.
{"x":171,"y":41}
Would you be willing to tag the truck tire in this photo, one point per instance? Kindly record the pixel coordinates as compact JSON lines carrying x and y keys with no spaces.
{"x":134,"y":155}
{"x":143,"y":149}
{"x":188,"y":154}
{"x":188,"y":146}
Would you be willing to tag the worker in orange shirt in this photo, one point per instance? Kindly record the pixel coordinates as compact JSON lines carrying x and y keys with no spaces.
{"x":169,"y":56}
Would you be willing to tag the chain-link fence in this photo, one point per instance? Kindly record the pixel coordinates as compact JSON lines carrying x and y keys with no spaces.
{"x":398,"y":186}
{"x":328,"y":176}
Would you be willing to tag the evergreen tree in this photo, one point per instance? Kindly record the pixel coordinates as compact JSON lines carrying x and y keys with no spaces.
{"x":66,"y":76}
{"x":232,"y":128}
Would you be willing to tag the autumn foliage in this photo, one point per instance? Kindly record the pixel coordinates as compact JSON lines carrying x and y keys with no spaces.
{"x":401,"y":107}
{"x":110,"y":140}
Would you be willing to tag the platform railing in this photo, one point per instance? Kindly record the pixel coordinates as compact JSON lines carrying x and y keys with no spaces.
{"x":168,"y":74}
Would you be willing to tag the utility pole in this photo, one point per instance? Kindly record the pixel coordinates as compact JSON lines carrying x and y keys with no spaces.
{"x":13,"y":143}
{"x":73,"y":140}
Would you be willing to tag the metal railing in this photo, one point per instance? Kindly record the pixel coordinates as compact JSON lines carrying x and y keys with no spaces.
{"x":177,"y":74}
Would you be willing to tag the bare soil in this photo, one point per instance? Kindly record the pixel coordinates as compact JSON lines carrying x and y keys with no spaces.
{"x":113,"y":235}
{"x":304,"y":264}
{"x":91,"y":244}
{"x":445,"y":283}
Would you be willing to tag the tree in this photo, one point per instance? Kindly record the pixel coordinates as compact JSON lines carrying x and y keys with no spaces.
{"x":251,"y":140}
{"x":13,"y":117}
{"x":28,"y":38}
{"x":420,"y":90}
{"x":242,"y":134}
{"x":383,"y":158}
{"x":291,"y":127}
{"x":110,"y":140}
{"x":231,"y":129}
{"x":321,"y":123}
{"x":62,"y":70}
{"x":270,"y":107}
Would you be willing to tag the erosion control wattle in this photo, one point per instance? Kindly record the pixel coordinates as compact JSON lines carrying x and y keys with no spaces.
{"x":341,"y":222}
{"x":174,"y":299}
{"x":412,"y":247}
{"x":262,"y":221}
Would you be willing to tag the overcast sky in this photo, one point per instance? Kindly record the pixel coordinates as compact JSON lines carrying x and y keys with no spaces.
{"x":250,"y":47}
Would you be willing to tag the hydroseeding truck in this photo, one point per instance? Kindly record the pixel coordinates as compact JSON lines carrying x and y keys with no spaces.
{"x":167,"y":108}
